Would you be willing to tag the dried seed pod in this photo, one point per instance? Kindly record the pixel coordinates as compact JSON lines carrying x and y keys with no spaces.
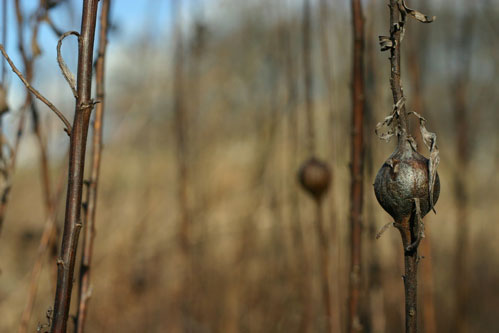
{"x":315,"y":177}
{"x":403,"y":177}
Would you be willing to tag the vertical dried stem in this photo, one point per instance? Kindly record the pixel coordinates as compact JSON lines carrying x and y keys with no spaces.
{"x":180,"y":130}
{"x":298,"y":239}
{"x":324,"y":266}
{"x":4,"y":36}
{"x":327,"y":71}
{"x":307,"y":68}
{"x":72,"y":224}
{"x":428,"y":308}
{"x":356,"y":190}
{"x":84,"y":290}
{"x":404,"y":226}
{"x":461,"y":123}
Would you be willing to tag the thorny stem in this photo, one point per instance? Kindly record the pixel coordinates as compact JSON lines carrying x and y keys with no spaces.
{"x":84,"y":289}
{"x":356,"y":169}
{"x":72,"y":223}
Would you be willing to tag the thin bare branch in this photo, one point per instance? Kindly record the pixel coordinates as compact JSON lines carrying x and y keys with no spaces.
{"x":72,"y":222}
{"x":62,"y":65}
{"x":85,"y":288}
{"x":36,"y":92}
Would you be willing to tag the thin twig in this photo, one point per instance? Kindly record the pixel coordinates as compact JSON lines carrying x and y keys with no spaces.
{"x":84,"y":290}
{"x":36,"y":92}
{"x":62,"y":65}
{"x":4,"y":34}
{"x":48,"y":231}
{"x":72,"y":222}
{"x":355,"y":323}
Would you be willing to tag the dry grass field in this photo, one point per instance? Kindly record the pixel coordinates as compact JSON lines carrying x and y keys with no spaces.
{"x":252,"y":264}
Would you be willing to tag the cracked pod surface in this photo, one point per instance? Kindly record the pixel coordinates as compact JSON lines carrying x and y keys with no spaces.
{"x":403,"y":177}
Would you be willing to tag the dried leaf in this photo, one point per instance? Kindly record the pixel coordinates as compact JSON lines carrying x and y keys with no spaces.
{"x":388,"y":121}
{"x":383,"y":229}
{"x":418,"y":228}
{"x":417,"y":15}
{"x":391,"y":132}
{"x":430,"y":141}
{"x":385,"y":43}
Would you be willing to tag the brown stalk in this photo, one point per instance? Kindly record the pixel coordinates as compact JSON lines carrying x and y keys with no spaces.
{"x":410,"y":257}
{"x":463,"y":152}
{"x":298,"y":239}
{"x":356,"y":169}
{"x":322,"y":236}
{"x":84,"y":290}
{"x":72,"y":223}
{"x":414,"y":70}
{"x":335,"y":300}
{"x":410,"y":237}
{"x":4,"y":35}
{"x":324,"y":266}
{"x":307,"y":73}
{"x":182,"y":153}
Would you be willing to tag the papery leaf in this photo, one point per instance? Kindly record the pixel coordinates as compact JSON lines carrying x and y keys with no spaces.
{"x":417,"y":15}
{"x":385,"y":43}
{"x":430,"y":141}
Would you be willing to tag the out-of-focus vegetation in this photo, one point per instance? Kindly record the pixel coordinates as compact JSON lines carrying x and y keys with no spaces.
{"x":244,"y":141}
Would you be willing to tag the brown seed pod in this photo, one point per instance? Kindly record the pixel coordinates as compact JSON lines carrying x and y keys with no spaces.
{"x":314,"y":177}
{"x":403,"y":177}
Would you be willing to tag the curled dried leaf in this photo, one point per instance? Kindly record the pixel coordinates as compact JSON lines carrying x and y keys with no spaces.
{"x":393,"y":129}
{"x":385,"y":43}
{"x":388,"y":121}
{"x":430,"y":141}
{"x":415,"y":14}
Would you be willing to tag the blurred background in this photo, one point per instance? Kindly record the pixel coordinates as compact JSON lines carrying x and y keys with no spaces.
{"x":201,"y":223}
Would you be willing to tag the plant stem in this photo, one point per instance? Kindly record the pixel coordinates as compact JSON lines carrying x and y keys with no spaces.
{"x":411,"y":273}
{"x":72,"y":224}
{"x":324,"y":266}
{"x":307,"y":68}
{"x":404,"y":226}
{"x":396,"y":70}
{"x":84,"y":290}
{"x":356,"y":189}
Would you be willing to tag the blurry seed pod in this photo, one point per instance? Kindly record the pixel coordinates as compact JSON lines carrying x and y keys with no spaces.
{"x":315,"y":177}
